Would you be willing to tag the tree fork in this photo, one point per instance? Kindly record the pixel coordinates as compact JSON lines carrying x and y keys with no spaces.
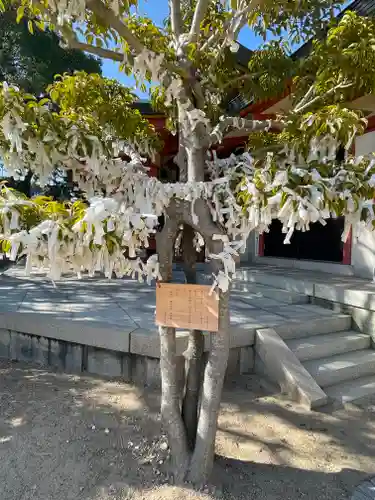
{"x":203,"y":455}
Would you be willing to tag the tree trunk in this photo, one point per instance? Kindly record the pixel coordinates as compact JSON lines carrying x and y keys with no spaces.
{"x":203,"y":456}
{"x":196,"y":421}
{"x":170,"y":390}
{"x":194,"y":353}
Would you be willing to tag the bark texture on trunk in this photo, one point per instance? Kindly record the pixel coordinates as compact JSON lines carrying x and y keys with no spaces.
{"x":194,"y":353}
{"x":195,"y":164}
{"x":202,"y":460}
{"x":170,"y":397}
{"x":203,"y":456}
{"x":202,"y":402}
{"x":194,"y":376}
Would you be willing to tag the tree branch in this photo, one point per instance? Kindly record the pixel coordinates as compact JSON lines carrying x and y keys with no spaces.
{"x":307,"y":96}
{"x":231,"y":27}
{"x":234,"y":122}
{"x":73,"y":43}
{"x":175,"y":10}
{"x":115,"y":22}
{"x":303,"y":105}
{"x":200,"y":12}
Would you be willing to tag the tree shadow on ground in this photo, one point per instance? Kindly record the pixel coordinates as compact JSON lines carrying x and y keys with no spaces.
{"x":65,"y":437}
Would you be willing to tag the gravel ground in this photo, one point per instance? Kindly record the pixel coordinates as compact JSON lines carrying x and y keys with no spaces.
{"x":65,"y":437}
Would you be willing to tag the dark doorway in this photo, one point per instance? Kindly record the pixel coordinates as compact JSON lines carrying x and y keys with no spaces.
{"x":320,"y":243}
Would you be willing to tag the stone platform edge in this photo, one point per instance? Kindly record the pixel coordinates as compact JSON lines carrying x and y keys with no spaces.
{"x":105,"y":349}
{"x":354,"y":297}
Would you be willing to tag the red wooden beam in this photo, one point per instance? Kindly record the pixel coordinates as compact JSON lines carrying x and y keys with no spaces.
{"x":370,"y":124}
{"x":260,"y":106}
{"x":261,"y":245}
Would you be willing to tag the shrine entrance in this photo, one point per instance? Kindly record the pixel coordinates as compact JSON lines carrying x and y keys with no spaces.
{"x":320,"y":243}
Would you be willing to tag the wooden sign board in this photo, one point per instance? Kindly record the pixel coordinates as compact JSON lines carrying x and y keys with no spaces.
{"x":187,"y":306}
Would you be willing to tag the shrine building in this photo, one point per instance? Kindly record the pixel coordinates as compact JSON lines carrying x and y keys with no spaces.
{"x":319,"y":249}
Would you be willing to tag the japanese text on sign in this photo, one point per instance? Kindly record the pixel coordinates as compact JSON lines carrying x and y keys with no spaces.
{"x":187,"y":306}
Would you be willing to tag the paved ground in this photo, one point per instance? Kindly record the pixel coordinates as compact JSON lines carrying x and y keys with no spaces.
{"x":66,"y":437}
{"x":127,"y":303}
{"x":365,"y":491}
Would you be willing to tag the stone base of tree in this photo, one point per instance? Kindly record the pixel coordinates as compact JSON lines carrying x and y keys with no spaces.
{"x":134,"y":367}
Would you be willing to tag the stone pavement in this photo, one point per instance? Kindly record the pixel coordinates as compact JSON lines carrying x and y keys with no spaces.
{"x":128,"y":304}
{"x":108,"y":327}
{"x":365,"y":491}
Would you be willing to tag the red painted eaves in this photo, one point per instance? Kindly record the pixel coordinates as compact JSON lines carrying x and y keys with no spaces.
{"x":260,"y":106}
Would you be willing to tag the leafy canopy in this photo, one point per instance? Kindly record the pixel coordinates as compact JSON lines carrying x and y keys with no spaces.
{"x":31,"y":61}
{"x":89,"y":124}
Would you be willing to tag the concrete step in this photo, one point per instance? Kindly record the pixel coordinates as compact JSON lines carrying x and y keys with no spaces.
{"x":342,"y":367}
{"x":314,"y":326}
{"x":253,"y":289}
{"x":354,"y":390}
{"x":322,"y":346}
{"x":278,"y":278}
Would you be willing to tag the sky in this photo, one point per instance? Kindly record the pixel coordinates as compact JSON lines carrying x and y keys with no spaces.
{"x":157,"y":10}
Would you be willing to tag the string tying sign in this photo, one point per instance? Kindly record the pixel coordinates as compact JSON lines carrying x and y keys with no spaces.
{"x":187,"y":306}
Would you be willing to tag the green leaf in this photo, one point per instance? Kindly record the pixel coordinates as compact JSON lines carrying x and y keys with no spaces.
{"x":20,"y":13}
{"x":40,"y":24}
{"x":44,"y":101}
{"x":30,"y":27}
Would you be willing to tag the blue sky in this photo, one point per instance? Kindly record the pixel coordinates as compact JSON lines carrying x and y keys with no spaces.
{"x":157,"y":10}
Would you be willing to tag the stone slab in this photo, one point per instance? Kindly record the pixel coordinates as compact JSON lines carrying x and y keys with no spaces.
{"x":233,"y":366}
{"x":138,"y":370}
{"x":112,"y":337}
{"x":147,"y":343}
{"x":103,"y":362}
{"x":246,"y":291}
{"x":40,"y":351}
{"x":283,"y":367}
{"x":238,"y":318}
{"x":262,"y":302}
{"x":364,"y":297}
{"x":4,"y":343}
{"x":362,"y":319}
{"x":57,"y":354}
{"x":93,"y":312}
{"x":153,"y":376}
{"x":359,"y":389}
{"x":21,"y":347}
{"x":243,"y":335}
{"x":240,"y":301}
{"x":74,"y":358}
{"x":342,"y":367}
{"x":10,"y":298}
{"x":246,"y":360}
{"x":302,"y":312}
{"x":365,"y":491}
{"x":282,"y":281}
{"x":314,"y":326}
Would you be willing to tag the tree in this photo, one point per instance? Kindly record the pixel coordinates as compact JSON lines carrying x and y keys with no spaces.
{"x":31,"y":60}
{"x":293,"y":176}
